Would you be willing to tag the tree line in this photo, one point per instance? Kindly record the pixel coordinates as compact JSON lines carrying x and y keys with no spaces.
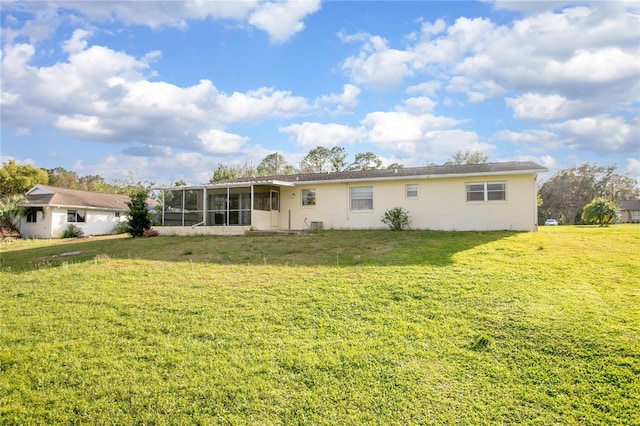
{"x":565,"y":194}
{"x":324,"y":160}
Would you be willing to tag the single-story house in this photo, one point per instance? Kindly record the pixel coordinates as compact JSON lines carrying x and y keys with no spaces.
{"x":628,"y":211}
{"x":50,"y":211}
{"x":490,"y":196}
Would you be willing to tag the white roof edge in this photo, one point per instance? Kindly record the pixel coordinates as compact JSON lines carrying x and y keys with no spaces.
{"x":225,"y":185}
{"x":349,"y":180}
{"x":64,"y":206}
{"x":41,"y":188}
{"x":430,"y":176}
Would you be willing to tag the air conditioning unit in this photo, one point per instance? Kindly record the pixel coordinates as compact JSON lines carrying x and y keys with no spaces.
{"x":315,"y":226}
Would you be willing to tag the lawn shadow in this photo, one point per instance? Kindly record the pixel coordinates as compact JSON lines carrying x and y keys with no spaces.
{"x":323,"y":248}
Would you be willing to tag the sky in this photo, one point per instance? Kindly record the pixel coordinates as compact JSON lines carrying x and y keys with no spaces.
{"x":167,"y":91}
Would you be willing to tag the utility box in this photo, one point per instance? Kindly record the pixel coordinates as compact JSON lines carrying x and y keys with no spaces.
{"x":316,"y":226}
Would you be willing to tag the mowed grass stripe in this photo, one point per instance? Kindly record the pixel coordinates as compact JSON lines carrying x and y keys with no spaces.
{"x":366,"y":327}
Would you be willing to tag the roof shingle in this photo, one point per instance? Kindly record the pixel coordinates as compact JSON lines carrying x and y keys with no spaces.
{"x":44,"y":195}
{"x":431,"y":171}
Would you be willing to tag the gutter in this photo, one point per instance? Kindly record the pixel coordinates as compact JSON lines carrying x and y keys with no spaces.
{"x":410,"y":177}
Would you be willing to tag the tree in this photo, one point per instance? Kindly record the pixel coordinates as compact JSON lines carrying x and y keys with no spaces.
{"x":129,"y":185}
{"x":274,"y":164}
{"x":63,"y":178}
{"x":566,"y":193}
{"x":395,"y":166}
{"x":467,"y":157}
{"x":366,"y":161}
{"x":17,"y":179}
{"x":600,"y":211}
{"x":223,"y":172}
{"x":138,"y":213}
{"x":11,"y":212}
{"x":322,"y":160}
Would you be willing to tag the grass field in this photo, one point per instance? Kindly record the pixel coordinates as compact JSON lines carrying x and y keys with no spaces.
{"x":353,"y":327}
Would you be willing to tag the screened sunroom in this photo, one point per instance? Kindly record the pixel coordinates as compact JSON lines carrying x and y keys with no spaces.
{"x":244,"y":205}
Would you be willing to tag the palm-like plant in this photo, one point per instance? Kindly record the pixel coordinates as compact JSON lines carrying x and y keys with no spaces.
{"x":600,"y":211}
{"x":11,"y":212}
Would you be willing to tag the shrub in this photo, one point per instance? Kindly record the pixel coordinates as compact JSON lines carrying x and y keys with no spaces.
{"x":120,"y":228}
{"x":150,"y":233}
{"x":396,"y":218}
{"x":73,"y":231}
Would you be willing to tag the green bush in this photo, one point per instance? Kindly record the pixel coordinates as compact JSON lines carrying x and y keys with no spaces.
{"x":73,"y":232}
{"x":120,"y":228}
{"x":396,"y":218}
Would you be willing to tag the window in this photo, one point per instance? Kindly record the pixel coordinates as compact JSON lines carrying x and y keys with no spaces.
{"x":361,"y":197}
{"x":32,"y":216}
{"x":308,"y":197}
{"x":74,"y":216}
{"x":487,"y":191}
{"x":411,"y":191}
{"x":118,"y":215}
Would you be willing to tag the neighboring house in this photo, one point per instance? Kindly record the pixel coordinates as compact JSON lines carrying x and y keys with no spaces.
{"x":491,"y":196}
{"x":629,"y":211}
{"x":50,"y":211}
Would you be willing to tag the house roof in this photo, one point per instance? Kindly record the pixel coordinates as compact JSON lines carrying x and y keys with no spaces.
{"x":513,"y":167}
{"x":628,"y":204}
{"x":44,"y":195}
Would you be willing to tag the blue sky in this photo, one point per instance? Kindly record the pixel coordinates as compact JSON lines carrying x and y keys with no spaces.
{"x":167,"y":91}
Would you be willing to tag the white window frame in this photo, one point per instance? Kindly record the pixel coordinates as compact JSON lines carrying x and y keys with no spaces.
{"x":78,"y":214}
{"x":308,"y":197}
{"x":411,"y":190}
{"x":486,"y":191}
{"x":361,"y":198}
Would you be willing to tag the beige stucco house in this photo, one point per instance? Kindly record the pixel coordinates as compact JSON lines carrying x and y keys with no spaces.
{"x":491,"y":196}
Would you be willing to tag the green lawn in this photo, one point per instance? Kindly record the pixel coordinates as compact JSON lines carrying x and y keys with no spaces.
{"x":353,"y":327}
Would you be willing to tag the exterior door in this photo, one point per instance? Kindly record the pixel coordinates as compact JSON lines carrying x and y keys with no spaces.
{"x":275,"y":207}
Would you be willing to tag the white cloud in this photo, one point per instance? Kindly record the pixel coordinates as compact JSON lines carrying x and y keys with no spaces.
{"x":399,"y":126}
{"x":281,"y":20}
{"x":344,"y":101}
{"x":536,"y":140}
{"x":377,"y":65}
{"x":429,"y":88}
{"x":418,"y":105}
{"x":260,"y":104}
{"x":574,"y":63}
{"x":310,"y":135}
{"x":600,"y":133}
{"x":601,"y":66}
{"x":219,"y":142}
{"x":476,"y":91}
{"x":100,"y":94}
{"x":586,"y":54}
{"x":633,"y":168}
{"x":77,"y":42}
{"x":148,"y":151}
{"x":538,"y":107}
{"x":82,"y":126}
